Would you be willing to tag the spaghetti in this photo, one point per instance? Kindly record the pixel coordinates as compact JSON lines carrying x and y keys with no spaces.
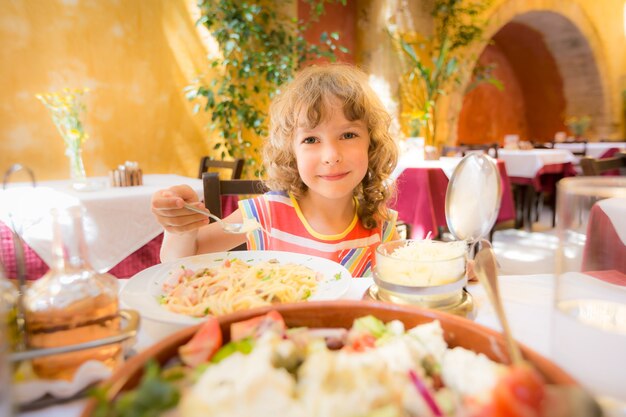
{"x":237,"y":285}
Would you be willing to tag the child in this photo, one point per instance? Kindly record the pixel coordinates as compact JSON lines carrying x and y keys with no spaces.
{"x":328,"y":158}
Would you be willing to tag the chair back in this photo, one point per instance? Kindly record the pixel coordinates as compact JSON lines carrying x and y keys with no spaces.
{"x":582,"y":150}
{"x":215,"y":188}
{"x":490,"y":149}
{"x":542,"y":145}
{"x":598,"y":166}
{"x":207,"y":164}
{"x":453,"y":150}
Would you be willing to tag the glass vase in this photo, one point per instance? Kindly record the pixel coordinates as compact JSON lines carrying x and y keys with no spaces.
{"x":77,"y":167}
{"x":72,"y":303}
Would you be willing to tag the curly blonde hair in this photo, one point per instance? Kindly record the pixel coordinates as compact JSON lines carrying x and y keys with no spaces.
{"x":305,"y":98}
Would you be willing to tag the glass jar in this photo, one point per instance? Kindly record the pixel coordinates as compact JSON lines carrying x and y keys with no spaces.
{"x":8,"y":300}
{"x":424,"y":273}
{"x":8,"y":311}
{"x":71,"y":304}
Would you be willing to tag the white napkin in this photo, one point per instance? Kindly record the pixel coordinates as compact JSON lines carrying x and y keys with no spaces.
{"x":88,"y":373}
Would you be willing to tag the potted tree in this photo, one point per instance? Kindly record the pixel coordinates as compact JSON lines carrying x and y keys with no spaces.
{"x":578,"y":126}
{"x":434,"y":64}
{"x":261,"y":47}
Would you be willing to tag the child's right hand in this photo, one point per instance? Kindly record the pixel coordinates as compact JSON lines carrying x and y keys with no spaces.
{"x":167,"y":207}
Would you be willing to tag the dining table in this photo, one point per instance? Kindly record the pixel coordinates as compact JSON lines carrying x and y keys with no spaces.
{"x":534,"y":173}
{"x":605,"y":246}
{"x":592,"y":149}
{"x":421,"y":187}
{"x":527,"y":165}
{"x":528,"y":302}
{"x":121,"y":233}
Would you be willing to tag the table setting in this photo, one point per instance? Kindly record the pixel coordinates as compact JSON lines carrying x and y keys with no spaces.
{"x":118,"y":221}
{"x":527,"y":300}
{"x":509,"y":323}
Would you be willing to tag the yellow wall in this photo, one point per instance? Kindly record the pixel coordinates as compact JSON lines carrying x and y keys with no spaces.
{"x":136,"y":56}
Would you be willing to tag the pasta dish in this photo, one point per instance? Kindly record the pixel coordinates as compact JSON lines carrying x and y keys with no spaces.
{"x":237,"y":285}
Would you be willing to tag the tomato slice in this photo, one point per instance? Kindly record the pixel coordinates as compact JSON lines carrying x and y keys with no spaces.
{"x":257,"y":325}
{"x":363,"y":342}
{"x":203,"y":344}
{"x":519,"y":393}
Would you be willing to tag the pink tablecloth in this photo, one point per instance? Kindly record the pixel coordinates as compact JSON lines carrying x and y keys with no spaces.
{"x":142,"y":258}
{"x":421,"y":199}
{"x":139,"y":260}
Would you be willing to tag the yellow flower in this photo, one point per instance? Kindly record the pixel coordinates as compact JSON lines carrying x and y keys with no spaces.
{"x":66,"y":108}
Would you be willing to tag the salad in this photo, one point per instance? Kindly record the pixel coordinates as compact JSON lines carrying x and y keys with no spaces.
{"x":373,"y":369}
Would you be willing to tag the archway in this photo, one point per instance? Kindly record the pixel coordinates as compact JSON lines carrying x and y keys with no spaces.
{"x":550,"y":60}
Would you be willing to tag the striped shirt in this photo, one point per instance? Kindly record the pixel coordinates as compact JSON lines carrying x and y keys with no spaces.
{"x":280,"y":214}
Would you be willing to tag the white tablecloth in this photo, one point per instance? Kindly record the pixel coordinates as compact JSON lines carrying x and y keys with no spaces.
{"x":117,"y":220}
{"x":593,"y":149}
{"x":412,"y":160}
{"x":527,"y":163}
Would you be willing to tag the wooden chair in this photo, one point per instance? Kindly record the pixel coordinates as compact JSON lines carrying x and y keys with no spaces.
{"x":490,"y":149}
{"x":543,"y":145}
{"x":453,"y":151}
{"x":207,"y":164}
{"x":215,"y":188}
{"x":598,"y":166}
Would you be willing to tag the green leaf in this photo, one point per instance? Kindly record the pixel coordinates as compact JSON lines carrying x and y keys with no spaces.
{"x":496,"y":83}
{"x":258,"y":42}
{"x":154,"y":395}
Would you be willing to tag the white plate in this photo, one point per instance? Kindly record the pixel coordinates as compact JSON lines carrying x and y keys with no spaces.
{"x":143,"y":289}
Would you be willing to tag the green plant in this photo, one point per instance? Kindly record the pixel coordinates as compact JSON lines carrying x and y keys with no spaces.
{"x":435,"y":63}
{"x":261,"y":49}
{"x":66,"y":108}
{"x":578,"y":125}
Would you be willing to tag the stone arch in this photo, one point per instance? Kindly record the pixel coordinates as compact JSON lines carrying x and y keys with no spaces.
{"x":576,"y":47}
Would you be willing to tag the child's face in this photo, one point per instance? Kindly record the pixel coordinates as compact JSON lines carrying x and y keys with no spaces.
{"x":332,"y":157}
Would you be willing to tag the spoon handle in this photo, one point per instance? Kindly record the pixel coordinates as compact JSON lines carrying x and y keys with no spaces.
{"x":486,"y":269}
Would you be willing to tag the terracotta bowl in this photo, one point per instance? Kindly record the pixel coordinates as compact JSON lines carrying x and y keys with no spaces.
{"x":458,"y":332}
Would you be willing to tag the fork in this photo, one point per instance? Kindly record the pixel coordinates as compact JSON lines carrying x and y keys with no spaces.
{"x":226,"y":226}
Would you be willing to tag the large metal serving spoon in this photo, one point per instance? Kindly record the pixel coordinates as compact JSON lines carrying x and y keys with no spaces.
{"x":562,"y":400}
{"x":473,"y":198}
{"x":472,"y":204}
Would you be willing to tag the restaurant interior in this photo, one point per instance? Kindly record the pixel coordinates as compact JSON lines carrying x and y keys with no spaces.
{"x":509,"y":122}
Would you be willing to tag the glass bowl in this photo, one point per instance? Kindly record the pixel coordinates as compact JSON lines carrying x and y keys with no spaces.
{"x":422,"y":272}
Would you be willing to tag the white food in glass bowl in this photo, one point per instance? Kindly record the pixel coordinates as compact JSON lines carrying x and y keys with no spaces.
{"x":421,"y":262}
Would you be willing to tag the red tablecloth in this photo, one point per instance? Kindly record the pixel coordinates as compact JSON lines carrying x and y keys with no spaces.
{"x":546,"y":178}
{"x":421,"y":199}
{"x":604,"y":250}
